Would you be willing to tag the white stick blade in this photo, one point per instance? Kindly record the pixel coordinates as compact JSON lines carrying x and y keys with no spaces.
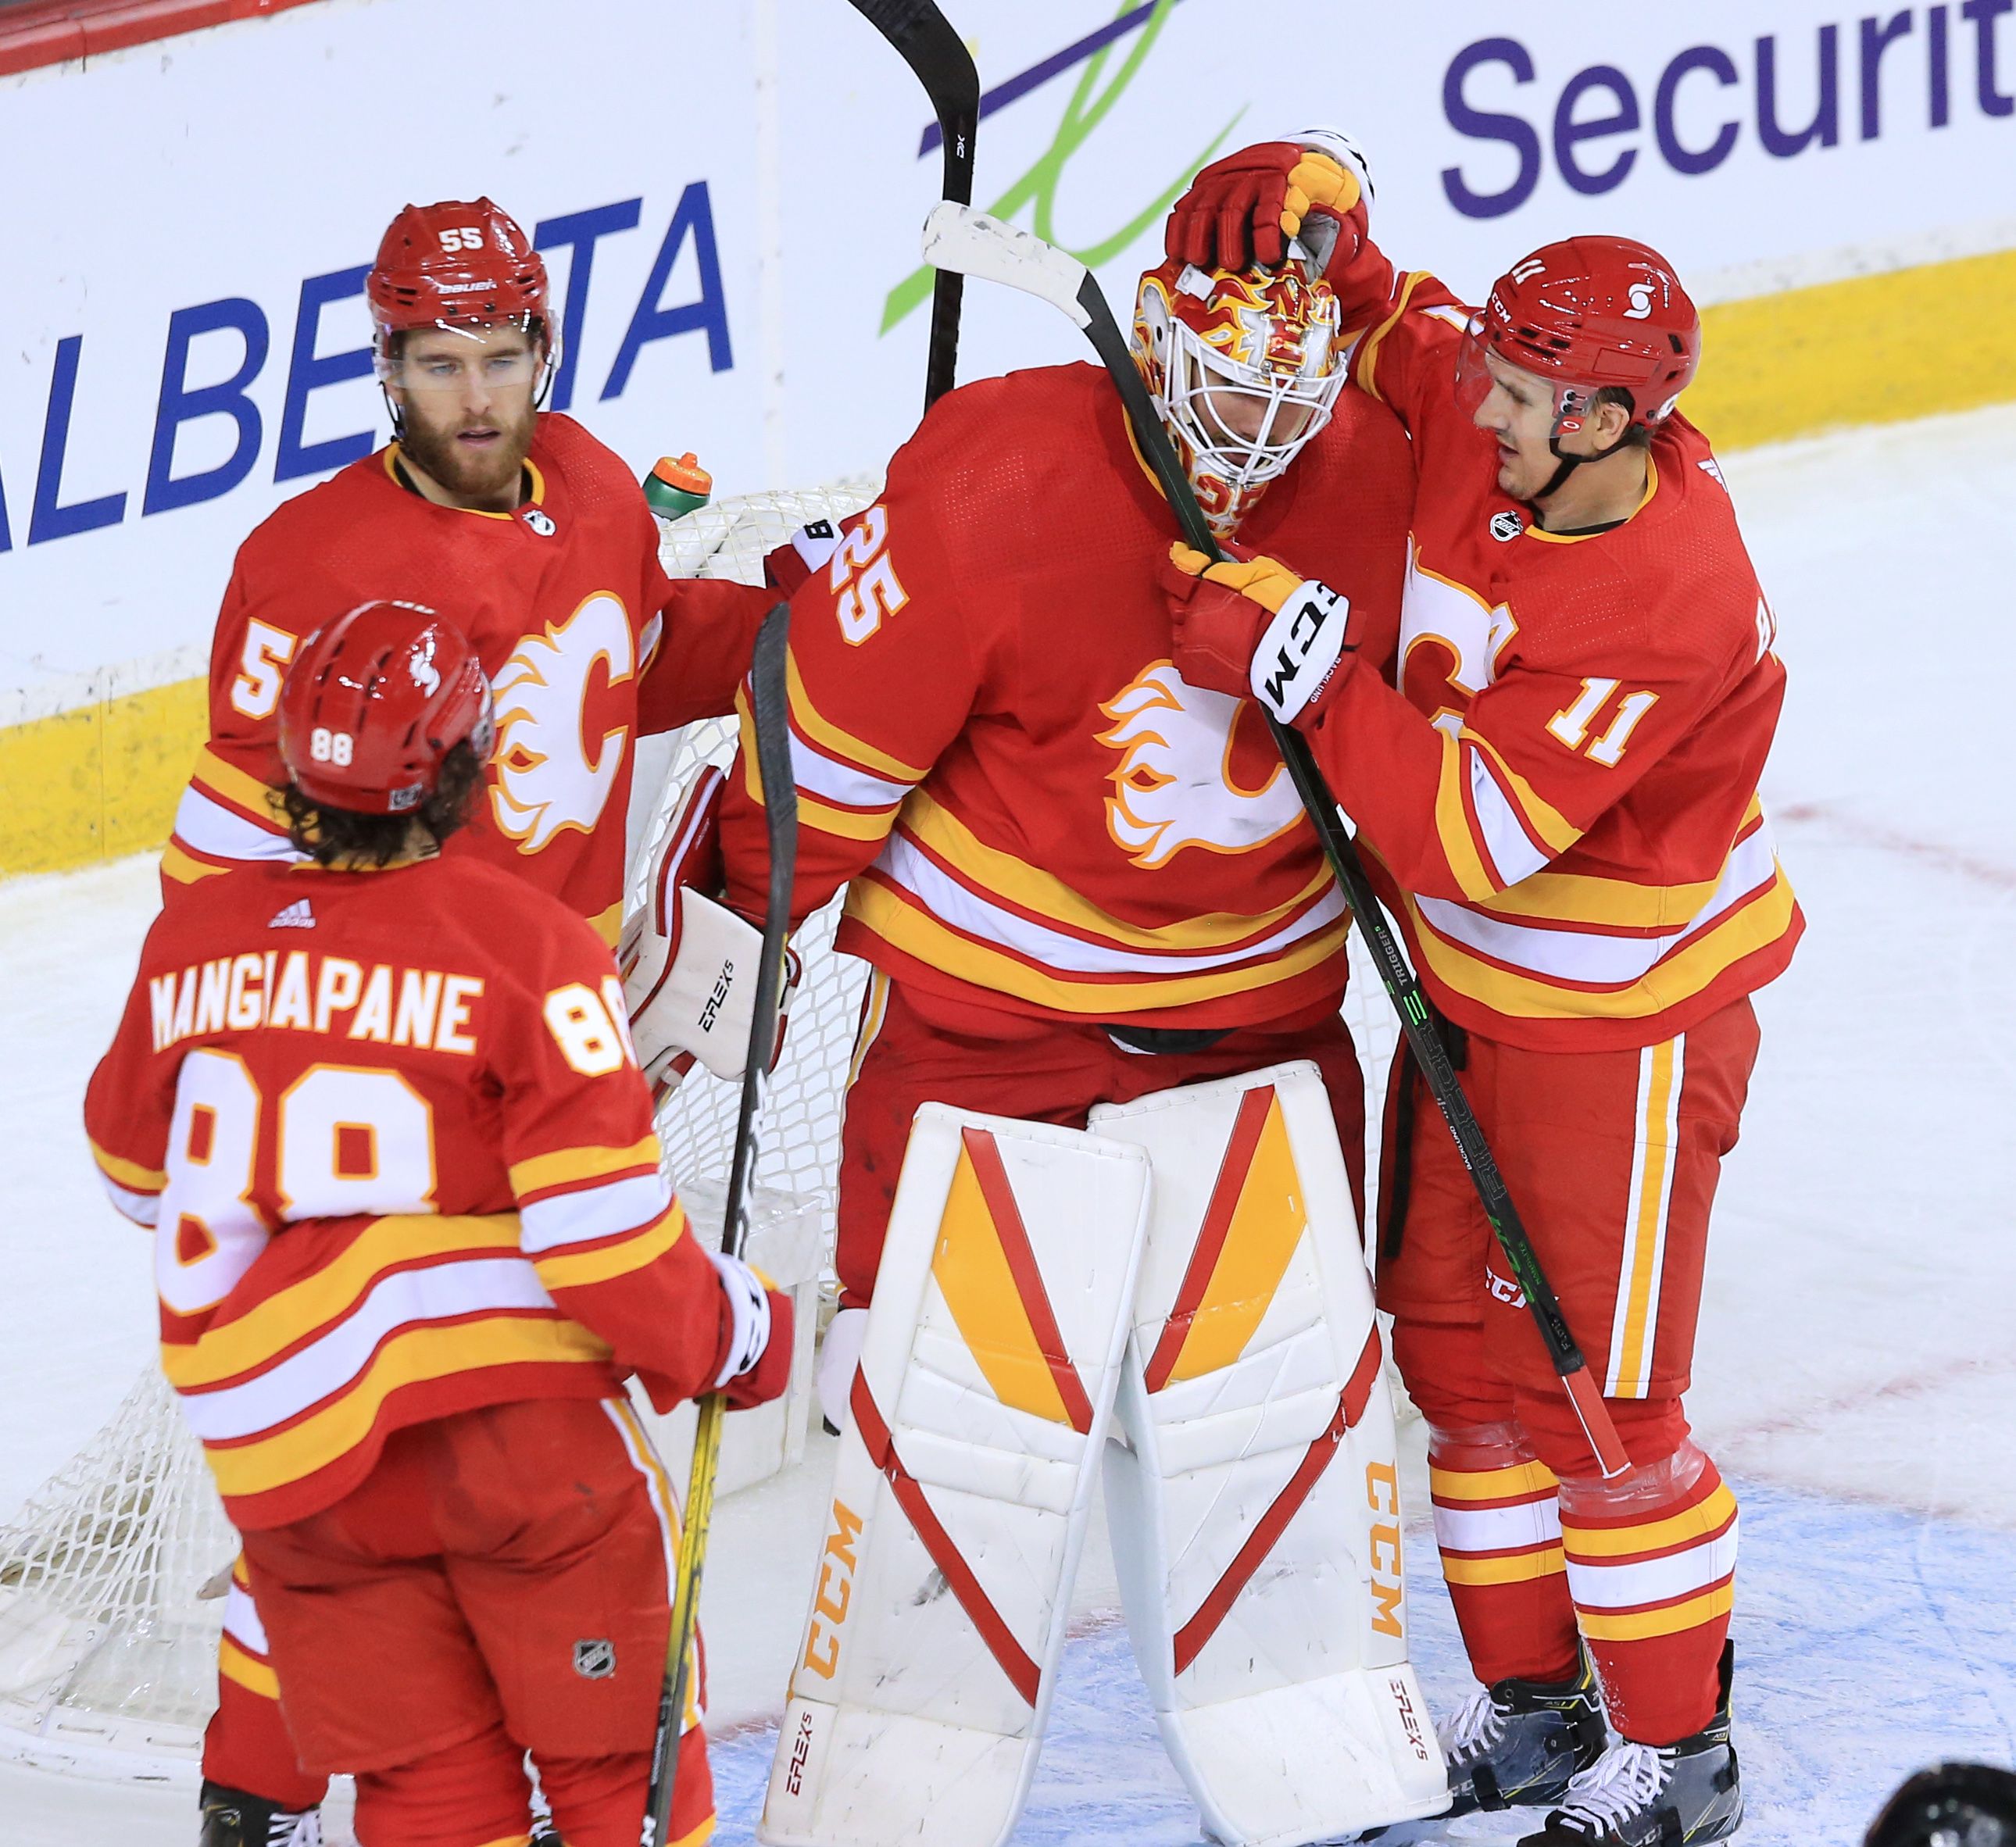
{"x":957,"y":237}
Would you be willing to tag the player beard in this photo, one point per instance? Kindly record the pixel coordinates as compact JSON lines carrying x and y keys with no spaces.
{"x":455,"y":455}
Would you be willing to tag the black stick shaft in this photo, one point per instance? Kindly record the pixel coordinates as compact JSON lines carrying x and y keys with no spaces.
{"x":938,"y":56}
{"x":769,"y":697}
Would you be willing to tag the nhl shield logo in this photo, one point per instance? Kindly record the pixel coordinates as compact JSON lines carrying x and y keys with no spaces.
{"x":1507,"y":525}
{"x":595,"y":1659}
{"x":540,"y":521}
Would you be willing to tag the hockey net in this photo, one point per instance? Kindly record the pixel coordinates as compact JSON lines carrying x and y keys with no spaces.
{"x":111,"y":1576}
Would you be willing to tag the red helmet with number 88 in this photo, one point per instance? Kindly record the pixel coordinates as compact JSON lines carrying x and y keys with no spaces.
{"x":375,"y":701}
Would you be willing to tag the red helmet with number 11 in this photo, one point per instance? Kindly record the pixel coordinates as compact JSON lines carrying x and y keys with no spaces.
{"x":374,"y":702}
{"x":1585,"y":313}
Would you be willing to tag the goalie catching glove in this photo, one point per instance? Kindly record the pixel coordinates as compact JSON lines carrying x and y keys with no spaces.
{"x":689,"y":962}
{"x":1251,"y":627}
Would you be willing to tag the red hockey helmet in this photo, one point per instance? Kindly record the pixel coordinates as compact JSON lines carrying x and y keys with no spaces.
{"x":461,"y":263}
{"x":1588,"y":312}
{"x":374,"y":701}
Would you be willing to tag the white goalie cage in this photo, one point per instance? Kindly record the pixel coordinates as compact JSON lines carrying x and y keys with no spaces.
{"x":111,"y":1575}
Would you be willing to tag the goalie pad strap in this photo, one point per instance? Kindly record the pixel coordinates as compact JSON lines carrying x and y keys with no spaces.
{"x":1022,"y":1672}
{"x":1190,"y":1639}
{"x":1000,"y":1198}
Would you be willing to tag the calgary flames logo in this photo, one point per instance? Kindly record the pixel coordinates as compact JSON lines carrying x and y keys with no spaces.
{"x":1173,"y":786}
{"x":548,"y":780}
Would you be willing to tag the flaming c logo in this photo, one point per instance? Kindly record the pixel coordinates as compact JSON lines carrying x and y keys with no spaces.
{"x":548,"y":777}
{"x":1172,"y":787}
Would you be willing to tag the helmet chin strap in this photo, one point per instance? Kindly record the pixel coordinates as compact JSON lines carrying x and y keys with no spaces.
{"x":1566,"y":464}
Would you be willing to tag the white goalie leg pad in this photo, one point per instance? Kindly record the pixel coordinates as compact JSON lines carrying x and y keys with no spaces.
{"x":978,"y":1416}
{"x":1255,"y":1518}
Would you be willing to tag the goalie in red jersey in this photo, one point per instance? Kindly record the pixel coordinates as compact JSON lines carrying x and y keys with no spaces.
{"x":1100,"y":921}
{"x":540,"y":538}
{"x":411,"y":1239}
{"x":1559,"y":801}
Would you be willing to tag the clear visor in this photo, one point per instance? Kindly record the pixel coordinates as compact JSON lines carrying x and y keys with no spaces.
{"x":1244,"y":425}
{"x":500,"y":357}
{"x":1474,"y":381}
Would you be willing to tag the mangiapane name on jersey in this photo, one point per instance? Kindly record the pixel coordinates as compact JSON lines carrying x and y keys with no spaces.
{"x":311,"y":992}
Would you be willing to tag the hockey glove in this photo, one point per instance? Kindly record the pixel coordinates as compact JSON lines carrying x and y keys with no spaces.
{"x":1252,"y":627}
{"x":758,"y":1364}
{"x":1242,"y":210}
{"x":689,"y":962}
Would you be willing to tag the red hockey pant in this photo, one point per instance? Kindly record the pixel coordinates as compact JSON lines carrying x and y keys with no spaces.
{"x":1612,"y":1158}
{"x":497,"y":1586}
{"x":911,"y":1052}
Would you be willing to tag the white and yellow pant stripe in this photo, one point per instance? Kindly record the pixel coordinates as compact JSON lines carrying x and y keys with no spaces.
{"x":1656,"y":1139}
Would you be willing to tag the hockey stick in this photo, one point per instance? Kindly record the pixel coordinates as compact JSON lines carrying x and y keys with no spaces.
{"x":955,"y":236}
{"x":936,"y":53}
{"x":768,"y":709}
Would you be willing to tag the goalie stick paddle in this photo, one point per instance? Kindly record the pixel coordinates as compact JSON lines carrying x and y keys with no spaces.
{"x":956,"y":236}
{"x":927,"y":42}
{"x":768,"y":711}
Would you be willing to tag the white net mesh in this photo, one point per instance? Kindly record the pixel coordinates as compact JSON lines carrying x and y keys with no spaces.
{"x":108,"y":1655}
{"x":799,"y":1150}
{"x":107,"y":1649}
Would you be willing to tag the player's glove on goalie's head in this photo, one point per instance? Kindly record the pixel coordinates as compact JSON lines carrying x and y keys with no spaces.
{"x":756,"y":1365}
{"x":1252,"y":627}
{"x":1244,"y":209}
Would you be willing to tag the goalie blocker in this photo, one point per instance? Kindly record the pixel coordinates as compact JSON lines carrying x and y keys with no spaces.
{"x":1191,"y":1263}
{"x":689,"y":962}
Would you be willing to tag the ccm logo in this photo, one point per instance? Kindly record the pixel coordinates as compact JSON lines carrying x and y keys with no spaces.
{"x":723,"y":984}
{"x":836,"y":1586}
{"x":1410,"y":1720}
{"x":1382,"y":1495}
{"x":801,"y":1747}
{"x":1314,"y":605}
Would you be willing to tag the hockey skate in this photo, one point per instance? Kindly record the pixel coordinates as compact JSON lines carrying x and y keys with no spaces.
{"x":1647,"y":1795}
{"x":231,"y":1818}
{"x":1520,"y":1742}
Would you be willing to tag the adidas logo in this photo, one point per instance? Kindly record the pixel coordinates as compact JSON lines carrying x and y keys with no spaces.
{"x":296,"y":916}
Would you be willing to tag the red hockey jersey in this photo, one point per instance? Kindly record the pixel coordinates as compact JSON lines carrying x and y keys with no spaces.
{"x":399,"y":1161}
{"x":1037,"y":813}
{"x":586,"y":641}
{"x":1562,"y":798}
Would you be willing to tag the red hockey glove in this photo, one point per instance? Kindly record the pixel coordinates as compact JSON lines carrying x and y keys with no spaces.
{"x":1252,"y":627}
{"x":1242,"y":210}
{"x":758,"y":1365}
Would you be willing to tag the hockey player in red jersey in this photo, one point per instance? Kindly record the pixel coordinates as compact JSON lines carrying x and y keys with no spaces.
{"x":1100,"y":921}
{"x":1079,"y":877}
{"x":540,"y":540}
{"x":1560,"y":804}
{"x":380,"y":1105}
{"x":517,"y":518}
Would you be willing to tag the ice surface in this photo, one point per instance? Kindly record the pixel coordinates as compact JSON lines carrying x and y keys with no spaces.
{"x":1856,"y":1374}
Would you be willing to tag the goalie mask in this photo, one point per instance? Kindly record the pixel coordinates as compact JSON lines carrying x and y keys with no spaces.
{"x":1244,"y":368}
